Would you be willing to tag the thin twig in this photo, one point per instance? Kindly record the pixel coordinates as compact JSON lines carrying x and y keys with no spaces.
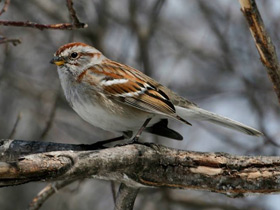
{"x":72,"y":13}
{"x":15,"y":126}
{"x":47,"y":192}
{"x":50,"y":120}
{"x":5,"y":7}
{"x":114,"y":192}
{"x":144,"y":35}
{"x":263,"y":42}
{"x":57,"y":26}
{"x":15,"y":42}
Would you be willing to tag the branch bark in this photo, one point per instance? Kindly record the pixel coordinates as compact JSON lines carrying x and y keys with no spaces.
{"x":58,"y":26}
{"x":138,"y":166}
{"x":263,"y":42}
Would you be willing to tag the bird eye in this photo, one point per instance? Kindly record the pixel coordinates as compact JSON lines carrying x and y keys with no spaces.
{"x":74,"y":55}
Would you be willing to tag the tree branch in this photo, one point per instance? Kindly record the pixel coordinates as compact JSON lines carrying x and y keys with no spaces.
{"x":47,"y":192}
{"x":13,"y":41}
{"x":58,"y":26}
{"x":126,"y":197}
{"x":137,"y":166}
{"x":5,"y":7}
{"x":263,"y":42}
{"x":72,"y":13}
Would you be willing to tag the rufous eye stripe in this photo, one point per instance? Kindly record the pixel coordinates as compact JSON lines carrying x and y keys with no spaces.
{"x":67,"y":46}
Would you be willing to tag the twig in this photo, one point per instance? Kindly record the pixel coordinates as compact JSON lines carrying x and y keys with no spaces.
{"x":51,"y":119}
{"x":4,"y":40}
{"x":15,"y":127}
{"x":144,"y":35}
{"x":263,"y":42}
{"x":114,"y":192}
{"x":126,"y":197}
{"x":5,"y":7}
{"x":47,"y":192}
{"x":154,"y":16}
{"x":72,"y":13}
{"x":57,"y":26}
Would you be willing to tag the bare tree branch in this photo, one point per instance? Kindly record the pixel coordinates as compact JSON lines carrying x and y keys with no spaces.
{"x":263,"y":42}
{"x":5,"y":7}
{"x":114,"y":192}
{"x":138,"y":166}
{"x":4,"y":40}
{"x":126,"y":197}
{"x":15,"y":126}
{"x":72,"y":13}
{"x":47,"y":192}
{"x":144,"y":34}
{"x":50,"y":119}
{"x":58,"y":26}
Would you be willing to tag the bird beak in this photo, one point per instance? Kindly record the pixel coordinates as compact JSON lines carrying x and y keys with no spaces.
{"x":59,"y":61}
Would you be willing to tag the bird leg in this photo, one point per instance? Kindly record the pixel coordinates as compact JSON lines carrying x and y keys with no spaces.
{"x":100,"y":144}
{"x":137,"y":136}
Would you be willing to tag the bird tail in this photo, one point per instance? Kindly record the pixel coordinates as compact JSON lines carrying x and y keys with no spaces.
{"x":197,"y":113}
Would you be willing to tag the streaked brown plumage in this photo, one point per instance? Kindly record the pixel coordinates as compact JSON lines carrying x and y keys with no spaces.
{"x":119,"y":98}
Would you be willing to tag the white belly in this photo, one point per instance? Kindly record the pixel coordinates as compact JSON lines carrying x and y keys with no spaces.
{"x":99,"y":117}
{"x":112,"y":117}
{"x":118,"y":120}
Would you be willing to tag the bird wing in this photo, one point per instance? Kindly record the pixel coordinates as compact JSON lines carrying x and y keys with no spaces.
{"x":130,"y":86}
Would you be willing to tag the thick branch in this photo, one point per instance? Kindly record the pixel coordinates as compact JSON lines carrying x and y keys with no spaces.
{"x":139,"y":166}
{"x":263,"y":42}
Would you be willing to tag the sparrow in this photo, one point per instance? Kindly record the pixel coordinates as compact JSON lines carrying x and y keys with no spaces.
{"x":119,"y":98}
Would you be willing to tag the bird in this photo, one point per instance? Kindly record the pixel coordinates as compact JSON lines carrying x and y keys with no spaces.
{"x":121,"y":99}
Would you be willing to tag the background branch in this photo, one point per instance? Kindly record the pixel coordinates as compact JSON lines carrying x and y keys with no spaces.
{"x":58,"y":26}
{"x":73,"y":14}
{"x":46,"y":193}
{"x":6,"y":40}
{"x":126,"y":197}
{"x":5,"y":6}
{"x":263,"y":42}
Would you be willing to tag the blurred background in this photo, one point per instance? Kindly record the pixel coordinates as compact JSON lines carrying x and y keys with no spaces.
{"x":201,"y":49}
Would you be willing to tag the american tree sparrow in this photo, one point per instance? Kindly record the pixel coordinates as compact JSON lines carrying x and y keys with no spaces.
{"x":119,"y":98}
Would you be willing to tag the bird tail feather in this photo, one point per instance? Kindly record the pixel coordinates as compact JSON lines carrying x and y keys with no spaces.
{"x":197,"y":113}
